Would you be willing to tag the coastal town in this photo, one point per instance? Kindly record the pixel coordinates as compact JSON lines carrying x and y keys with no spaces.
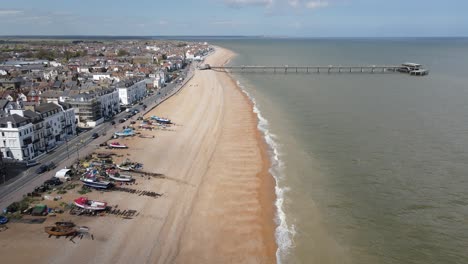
{"x":50,"y":91}
{"x":106,"y":142}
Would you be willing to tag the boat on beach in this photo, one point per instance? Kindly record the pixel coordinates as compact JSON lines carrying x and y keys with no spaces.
{"x":60,"y":230}
{"x":120,"y":177}
{"x":94,"y":182}
{"x":117,"y":145}
{"x":85,"y":203}
{"x":128,"y":132}
{"x":161,"y":120}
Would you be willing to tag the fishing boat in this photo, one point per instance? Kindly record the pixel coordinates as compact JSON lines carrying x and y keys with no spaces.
{"x":117,"y":145}
{"x":60,"y":230}
{"x":120,"y":177}
{"x":161,"y":120}
{"x":146,"y":126}
{"x":128,"y":132}
{"x":124,"y":167}
{"x":94,"y":182}
{"x":87,"y":204}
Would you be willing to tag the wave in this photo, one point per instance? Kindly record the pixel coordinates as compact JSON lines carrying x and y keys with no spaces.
{"x":284,"y":234}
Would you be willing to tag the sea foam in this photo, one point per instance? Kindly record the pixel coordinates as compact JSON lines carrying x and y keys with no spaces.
{"x":284,"y":234}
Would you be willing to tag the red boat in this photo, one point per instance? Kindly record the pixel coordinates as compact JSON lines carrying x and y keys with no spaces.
{"x":85,"y":203}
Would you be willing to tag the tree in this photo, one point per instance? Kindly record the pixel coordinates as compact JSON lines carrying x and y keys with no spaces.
{"x":122,"y":53}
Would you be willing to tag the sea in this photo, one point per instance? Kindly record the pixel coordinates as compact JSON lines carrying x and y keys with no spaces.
{"x":370,"y":168}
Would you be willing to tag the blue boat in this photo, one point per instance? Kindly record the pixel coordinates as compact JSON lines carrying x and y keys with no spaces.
{"x":161,"y":120}
{"x":125,"y":133}
{"x":90,"y":179}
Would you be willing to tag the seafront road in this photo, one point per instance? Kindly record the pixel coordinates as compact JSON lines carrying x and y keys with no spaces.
{"x":80,"y":146}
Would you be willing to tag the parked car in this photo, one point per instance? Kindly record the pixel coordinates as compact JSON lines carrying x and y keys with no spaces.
{"x":133,"y":122}
{"x":41,"y":169}
{"x":51,"y":166}
{"x":31,"y":163}
{"x":3,"y":220}
{"x":95,"y":135}
{"x":121,"y":120}
{"x":53,"y":182}
{"x":140,"y":103}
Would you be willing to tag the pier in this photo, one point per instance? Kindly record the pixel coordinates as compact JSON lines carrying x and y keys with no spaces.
{"x":408,"y":68}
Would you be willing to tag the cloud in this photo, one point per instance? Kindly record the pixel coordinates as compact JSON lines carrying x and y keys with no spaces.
{"x":316,"y":4}
{"x":243,"y":3}
{"x":6,"y":12}
{"x":294,"y":3}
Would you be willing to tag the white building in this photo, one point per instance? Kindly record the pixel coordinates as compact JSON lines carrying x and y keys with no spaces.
{"x":130,"y":92}
{"x":110,"y":102}
{"x":26,"y":134}
{"x":50,"y":75}
{"x":101,"y":76}
{"x":16,"y":137}
{"x":59,"y":122}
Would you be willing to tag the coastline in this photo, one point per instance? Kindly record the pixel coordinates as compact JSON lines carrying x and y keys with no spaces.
{"x":218,"y":197}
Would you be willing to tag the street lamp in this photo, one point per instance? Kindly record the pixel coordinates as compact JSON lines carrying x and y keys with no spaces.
{"x":68,"y":153}
{"x":78,"y":148}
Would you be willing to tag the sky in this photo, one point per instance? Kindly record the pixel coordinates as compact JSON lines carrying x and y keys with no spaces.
{"x":281,"y":18}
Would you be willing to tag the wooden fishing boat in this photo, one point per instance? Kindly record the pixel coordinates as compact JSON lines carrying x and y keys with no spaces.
{"x":120,"y":177}
{"x":87,"y":204}
{"x":95,"y":182}
{"x":60,"y":230}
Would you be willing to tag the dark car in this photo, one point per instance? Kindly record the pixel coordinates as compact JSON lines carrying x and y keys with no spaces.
{"x":53,"y":182}
{"x":41,"y":169}
{"x":95,"y":135}
{"x":113,"y":123}
{"x":51,"y":166}
{"x":133,"y":122}
{"x":121,"y":120}
{"x":140,"y":103}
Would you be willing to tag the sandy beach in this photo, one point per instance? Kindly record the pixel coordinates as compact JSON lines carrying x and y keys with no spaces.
{"x":217,"y":203}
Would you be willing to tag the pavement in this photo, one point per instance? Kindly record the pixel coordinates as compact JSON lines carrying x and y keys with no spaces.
{"x":80,"y":146}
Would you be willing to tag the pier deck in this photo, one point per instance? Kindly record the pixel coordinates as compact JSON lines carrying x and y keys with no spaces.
{"x":416,"y":71}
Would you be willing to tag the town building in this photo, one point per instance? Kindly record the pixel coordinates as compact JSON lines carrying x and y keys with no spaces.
{"x":131,"y":91}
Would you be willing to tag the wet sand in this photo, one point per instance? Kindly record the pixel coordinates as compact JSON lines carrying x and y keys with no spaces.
{"x":217,"y":203}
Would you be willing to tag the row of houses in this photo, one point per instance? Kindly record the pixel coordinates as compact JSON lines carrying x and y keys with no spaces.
{"x":27,"y":133}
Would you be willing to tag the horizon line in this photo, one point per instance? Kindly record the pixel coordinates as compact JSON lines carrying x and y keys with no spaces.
{"x":222,"y":36}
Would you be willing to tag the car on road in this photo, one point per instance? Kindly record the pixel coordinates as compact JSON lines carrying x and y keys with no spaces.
{"x":121,"y":120}
{"x":53,"y":181}
{"x":51,"y":166}
{"x":41,"y":169}
{"x":133,"y":122}
{"x":95,"y":135}
{"x":3,"y":220}
{"x":31,"y":163}
{"x":113,"y":123}
{"x":140,"y":103}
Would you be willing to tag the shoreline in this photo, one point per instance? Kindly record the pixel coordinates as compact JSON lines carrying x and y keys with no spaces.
{"x":218,"y":197}
{"x":267,"y":194}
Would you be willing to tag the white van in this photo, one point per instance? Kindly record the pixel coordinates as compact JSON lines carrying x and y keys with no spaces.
{"x":64,"y":174}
